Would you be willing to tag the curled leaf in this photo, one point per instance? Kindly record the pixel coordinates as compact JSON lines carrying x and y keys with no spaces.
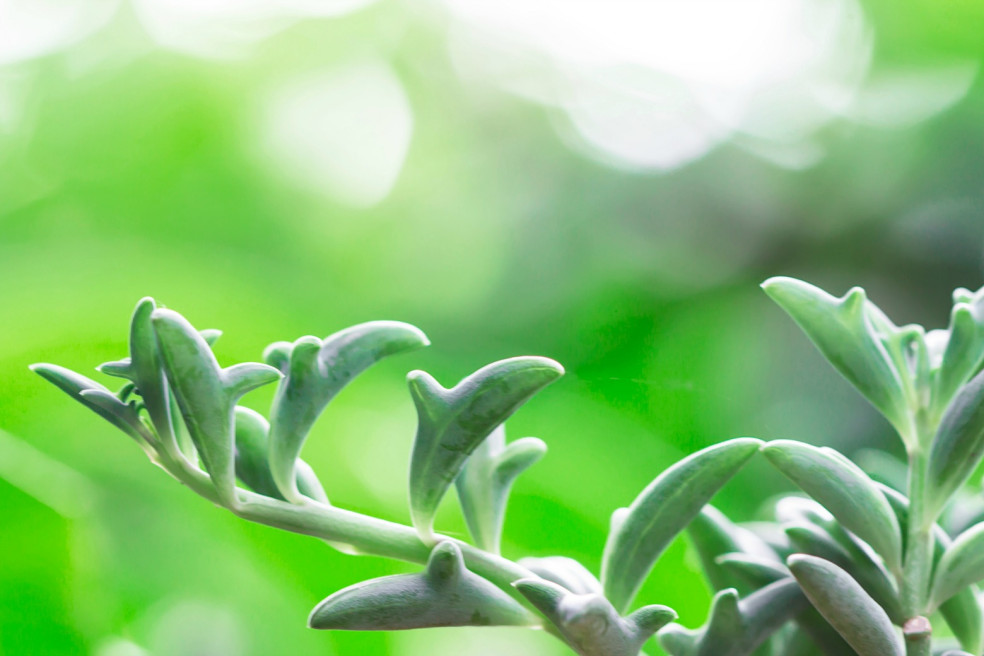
{"x":843,"y":330}
{"x":315,"y":372}
{"x":737,"y":627}
{"x":844,"y":603}
{"x":589,"y":623}
{"x":206,"y":394}
{"x":843,"y":489}
{"x":445,"y":594}
{"x":484,"y":483}
{"x":662,"y":510}
{"x":964,"y":350}
{"x":453,"y":422}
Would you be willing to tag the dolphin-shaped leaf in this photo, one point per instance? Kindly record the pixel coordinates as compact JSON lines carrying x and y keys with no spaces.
{"x":565,"y":572}
{"x":453,"y":422}
{"x":842,"y":329}
{"x":962,"y":564}
{"x":445,"y":594}
{"x":589,"y":623}
{"x":736,"y":627}
{"x":844,"y":603}
{"x":97,"y":398}
{"x":640,"y":534}
{"x":714,"y":535}
{"x":843,"y":489}
{"x":252,"y":468}
{"x":484,"y":482}
{"x":206,"y":394}
{"x":315,"y":372}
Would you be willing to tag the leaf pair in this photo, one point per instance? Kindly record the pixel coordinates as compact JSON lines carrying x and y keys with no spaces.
{"x":453,"y":423}
{"x":445,"y":594}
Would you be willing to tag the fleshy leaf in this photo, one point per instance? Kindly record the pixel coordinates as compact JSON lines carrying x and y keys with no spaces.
{"x":97,"y":398}
{"x":843,"y":489}
{"x":842,"y":329}
{"x":453,"y":422}
{"x":714,"y":535}
{"x":845,"y":604}
{"x":958,"y":446}
{"x":964,"y":346}
{"x":565,"y":572}
{"x":484,"y":483}
{"x":589,"y":623}
{"x":206,"y":394}
{"x":662,"y":510}
{"x":962,"y":564}
{"x":252,"y":468}
{"x":737,"y":627}
{"x":315,"y":372}
{"x":445,"y":594}
{"x":755,"y":570}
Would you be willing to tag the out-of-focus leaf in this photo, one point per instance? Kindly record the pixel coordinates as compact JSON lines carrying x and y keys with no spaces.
{"x":962,"y":564}
{"x":97,"y":398}
{"x":843,"y":489}
{"x":565,"y":572}
{"x":206,"y":394}
{"x":484,"y":482}
{"x":589,"y":623}
{"x":453,"y":422}
{"x":736,"y":627}
{"x":714,"y":535}
{"x":315,"y":372}
{"x":845,"y":604}
{"x":754,"y":570}
{"x":640,"y":534}
{"x":252,"y":468}
{"x":445,"y":594}
{"x":958,"y":446}
{"x":842,"y":329}
{"x":964,"y":347}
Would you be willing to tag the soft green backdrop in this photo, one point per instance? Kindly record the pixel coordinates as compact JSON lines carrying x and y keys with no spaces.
{"x":326,"y":171}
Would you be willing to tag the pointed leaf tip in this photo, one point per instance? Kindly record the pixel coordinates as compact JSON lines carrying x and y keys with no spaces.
{"x":452,"y":423}
{"x":640,"y":534}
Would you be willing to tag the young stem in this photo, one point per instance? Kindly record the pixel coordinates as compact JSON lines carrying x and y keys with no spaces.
{"x":918,"y":563}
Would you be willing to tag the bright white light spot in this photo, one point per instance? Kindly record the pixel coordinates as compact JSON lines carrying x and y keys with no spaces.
{"x":896,"y":99}
{"x":344,"y":133}
{"x":229,"y":28}
{"x":657,"y":84}
{"x":34,"y":28}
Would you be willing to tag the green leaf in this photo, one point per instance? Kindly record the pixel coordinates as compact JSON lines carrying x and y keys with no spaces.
{"x":845,"y":604}
{"x":97,"y":398}
{"x":843,"y":489}
{"x":453,"y":422}
{"x":589,"y":623}
{"x":843,"y":331}
{"x":962,"y":564}
{"x":640,"y":534}
{"x":755,"y":570}
{"x":714,"y":535}
{"x":315,"y":372}
{"x":206,"y":394}
{"x":958,"y":446}
{"x":252,"y":468}
{"x":964,"y":351}
{"x":484,"y":483}
{"x":737,"y":627}
{"x":565,"y":572}
{"x":445,"y":594}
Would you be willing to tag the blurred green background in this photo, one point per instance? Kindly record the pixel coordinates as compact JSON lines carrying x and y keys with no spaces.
{"x":603,"y":183}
